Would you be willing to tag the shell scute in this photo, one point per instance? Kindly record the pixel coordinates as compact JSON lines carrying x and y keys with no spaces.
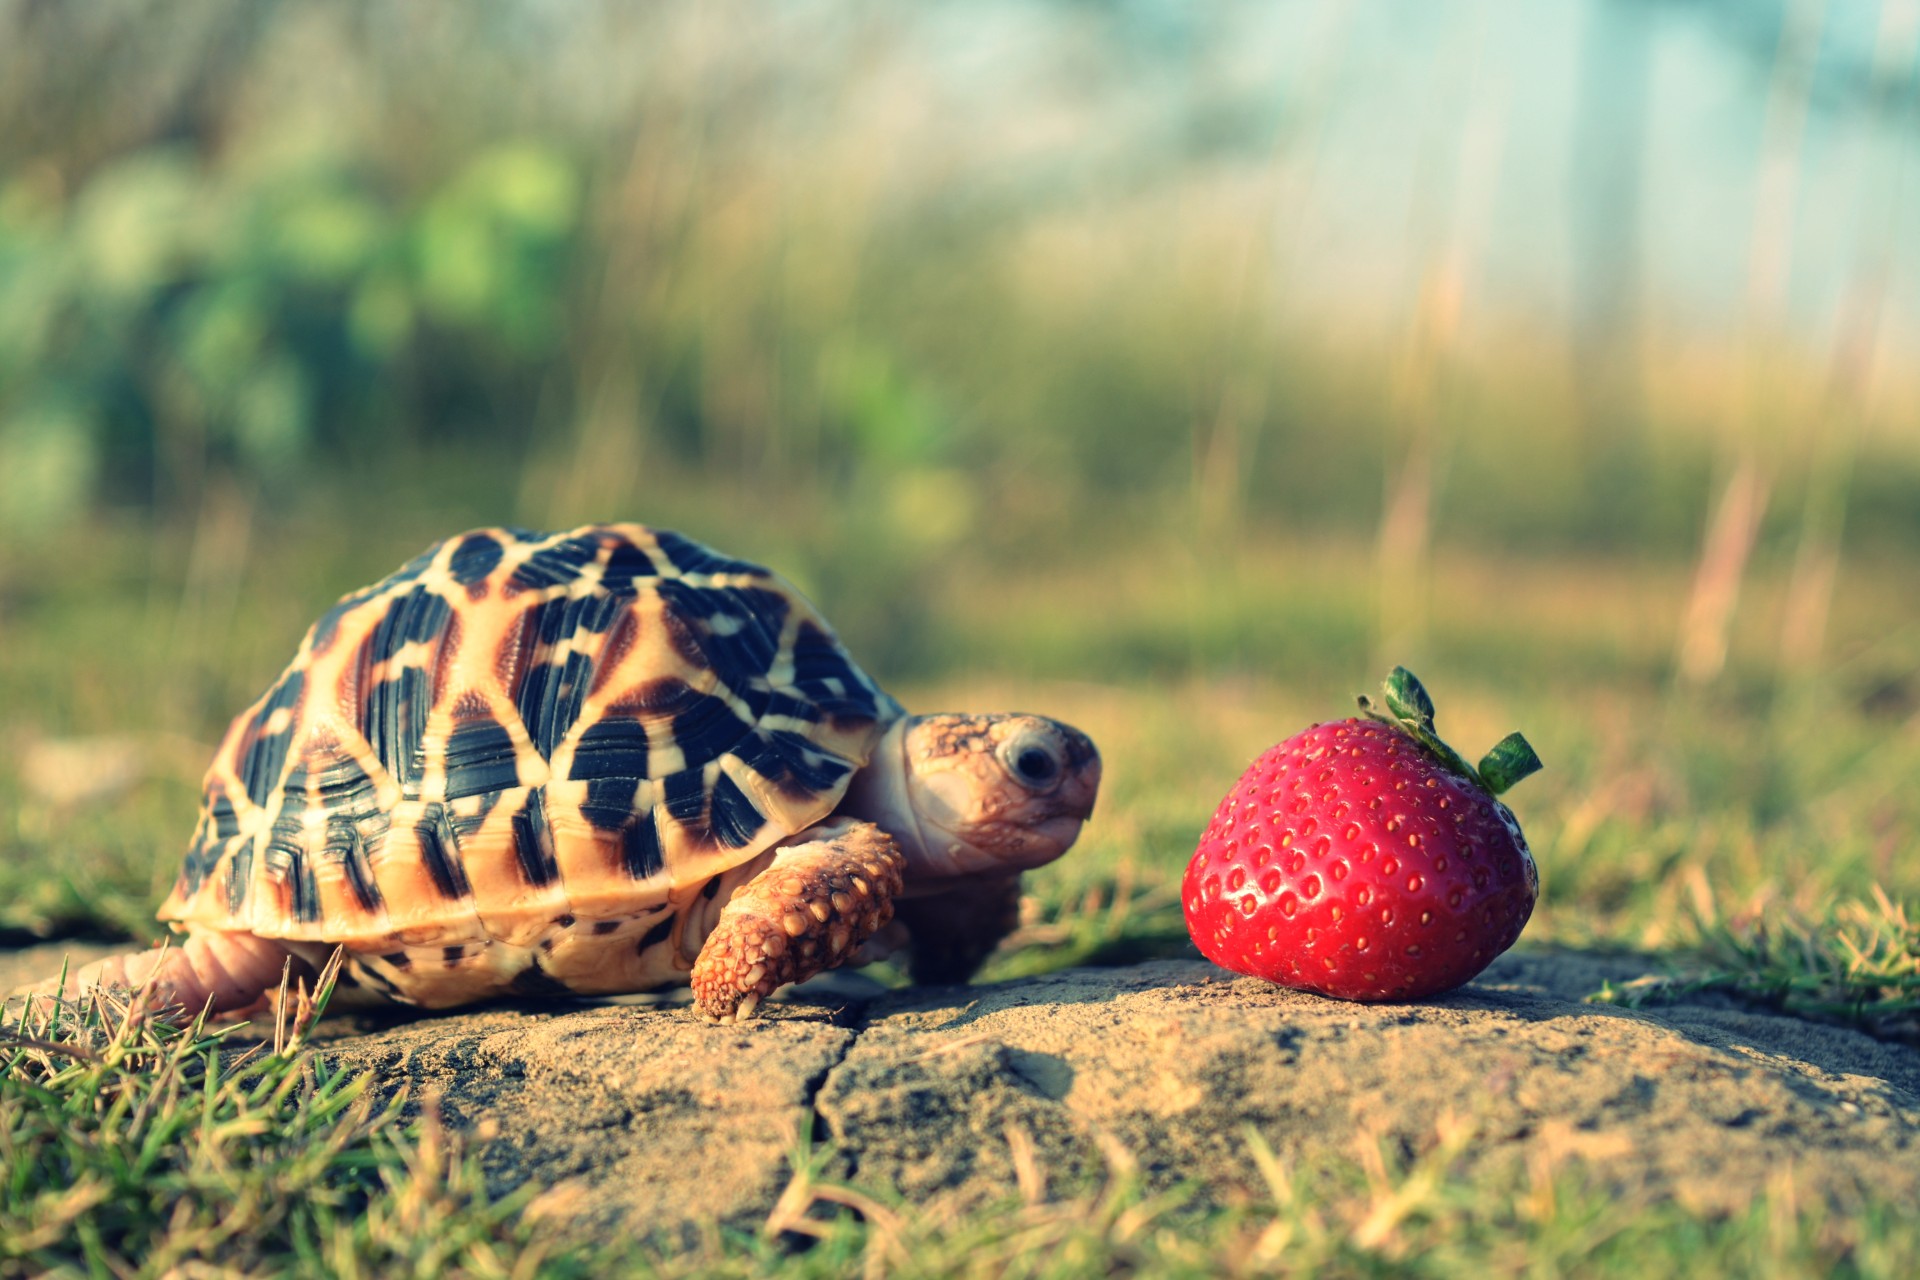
{"x":270,"y":733}
{"x":473,"y":562}
{"x":556,"y":564}
{"x":787,"y":761}
{"x":480,"y":756}
{"x":690,"y":557}
{"x":826,"y":675}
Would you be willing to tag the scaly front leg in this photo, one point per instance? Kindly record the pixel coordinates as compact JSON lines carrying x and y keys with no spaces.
{"x":808,"y":912}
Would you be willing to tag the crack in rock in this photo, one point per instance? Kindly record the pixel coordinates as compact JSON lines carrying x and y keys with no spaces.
{"x":853,"y":1017}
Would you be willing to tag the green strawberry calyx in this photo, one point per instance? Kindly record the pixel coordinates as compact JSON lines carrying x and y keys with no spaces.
{"x":1410,"y":709}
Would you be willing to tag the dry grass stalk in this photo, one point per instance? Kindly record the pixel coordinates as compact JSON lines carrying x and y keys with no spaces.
{"x":1708,"y":625}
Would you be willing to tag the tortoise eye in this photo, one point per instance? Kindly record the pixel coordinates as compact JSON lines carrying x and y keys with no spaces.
{"x":1033,"y":762}
{"x":1036,"y":765}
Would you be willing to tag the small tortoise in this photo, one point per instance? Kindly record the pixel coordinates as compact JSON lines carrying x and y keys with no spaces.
{"x":599,"y":761}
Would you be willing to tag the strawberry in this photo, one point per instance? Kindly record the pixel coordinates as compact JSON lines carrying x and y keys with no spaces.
{"x":1365,"y":859}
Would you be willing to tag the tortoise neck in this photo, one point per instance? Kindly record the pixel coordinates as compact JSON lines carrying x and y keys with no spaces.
{"x":879,"y":793}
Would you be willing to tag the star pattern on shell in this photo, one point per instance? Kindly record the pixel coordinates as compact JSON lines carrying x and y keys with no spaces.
{"x":520,"y":730}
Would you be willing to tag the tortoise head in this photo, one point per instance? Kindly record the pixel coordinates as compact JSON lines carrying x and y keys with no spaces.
{"x":970,"y":794}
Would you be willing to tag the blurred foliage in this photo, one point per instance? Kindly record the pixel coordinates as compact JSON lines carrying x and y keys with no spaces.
{"x":166,"y":319}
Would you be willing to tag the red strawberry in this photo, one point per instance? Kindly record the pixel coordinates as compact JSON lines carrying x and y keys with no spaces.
{"x":1365,"y":859}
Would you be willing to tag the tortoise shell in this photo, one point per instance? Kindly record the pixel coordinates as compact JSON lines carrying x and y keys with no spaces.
{"x":518,"y":730}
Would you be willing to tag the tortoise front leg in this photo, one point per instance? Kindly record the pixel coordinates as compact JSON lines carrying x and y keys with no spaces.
{"x":808,"y":912}
{"x":952,"y":932}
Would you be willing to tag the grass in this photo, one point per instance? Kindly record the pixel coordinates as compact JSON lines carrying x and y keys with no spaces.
{"x":1758,"y":835}
{"x":1858,"y":965}
{"x":1379,"y":1211}
{"x":135,"y":1145}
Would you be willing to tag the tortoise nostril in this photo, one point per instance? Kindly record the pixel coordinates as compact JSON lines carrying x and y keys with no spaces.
{"x":1080,"y":748}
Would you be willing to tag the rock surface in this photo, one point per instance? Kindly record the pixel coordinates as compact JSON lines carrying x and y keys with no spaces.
{"x":1175,"y":1060}
{"x":643,"y":1119}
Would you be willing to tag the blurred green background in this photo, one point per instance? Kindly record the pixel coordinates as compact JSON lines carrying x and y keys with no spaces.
{"x":1170,"y":368}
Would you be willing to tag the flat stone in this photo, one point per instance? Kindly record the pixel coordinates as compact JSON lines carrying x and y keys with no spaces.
{"x":1168,"y":1066}
{"x":642,"y":1119}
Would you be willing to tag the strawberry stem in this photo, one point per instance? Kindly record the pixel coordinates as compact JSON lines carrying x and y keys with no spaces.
{"x":1410,"y":710}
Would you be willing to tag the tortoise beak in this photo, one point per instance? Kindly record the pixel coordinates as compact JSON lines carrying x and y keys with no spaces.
{"x":1056,"y":836}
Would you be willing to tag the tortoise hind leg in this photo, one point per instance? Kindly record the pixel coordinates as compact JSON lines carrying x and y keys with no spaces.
{"x":233,"y":970}
{"x":809,"y":911}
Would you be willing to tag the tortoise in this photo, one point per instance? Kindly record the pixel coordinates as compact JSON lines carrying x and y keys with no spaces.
{"x":599,"y":761}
